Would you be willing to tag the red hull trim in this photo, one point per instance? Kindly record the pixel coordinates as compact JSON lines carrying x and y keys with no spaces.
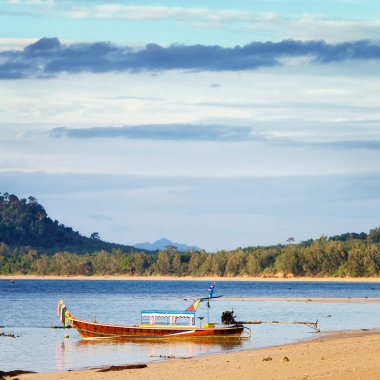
{"x":91,"y":330}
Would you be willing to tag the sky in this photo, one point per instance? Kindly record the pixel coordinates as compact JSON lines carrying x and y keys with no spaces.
{"x":217,"y":124}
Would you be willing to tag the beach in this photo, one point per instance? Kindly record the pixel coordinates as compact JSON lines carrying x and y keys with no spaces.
{"x":343,"y":355}
{"x":192,"y":278}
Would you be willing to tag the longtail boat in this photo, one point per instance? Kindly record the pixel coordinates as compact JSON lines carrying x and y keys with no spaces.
{"x":154,"y":324}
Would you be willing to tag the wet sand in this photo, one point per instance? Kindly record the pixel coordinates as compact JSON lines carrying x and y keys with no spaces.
{"x":344,"y":355}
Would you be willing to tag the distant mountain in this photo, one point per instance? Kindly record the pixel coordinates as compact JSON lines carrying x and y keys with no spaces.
{"x":24,"y":222}
{"x":163,"y":244}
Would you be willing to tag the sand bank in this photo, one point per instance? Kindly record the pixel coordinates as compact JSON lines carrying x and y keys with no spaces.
{"x":190,"y":278}
{"x":302,"y":299}
{"x":338,"y":356}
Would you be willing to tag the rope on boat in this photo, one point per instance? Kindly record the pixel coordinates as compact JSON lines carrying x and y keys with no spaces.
{"x":246,"y":333}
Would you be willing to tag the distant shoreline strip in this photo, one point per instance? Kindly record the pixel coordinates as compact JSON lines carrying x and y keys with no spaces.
{"x":189,"y":278}
{"x":303,"y":299}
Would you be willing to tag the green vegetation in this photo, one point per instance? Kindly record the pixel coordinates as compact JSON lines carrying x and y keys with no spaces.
{"x":24,"y":222}
{"x":351,"y":254}
{"x":322,"y":257}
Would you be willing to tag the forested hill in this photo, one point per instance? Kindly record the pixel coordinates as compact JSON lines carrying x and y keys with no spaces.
{"x":24,"y":222}
{"x":32,"y":243}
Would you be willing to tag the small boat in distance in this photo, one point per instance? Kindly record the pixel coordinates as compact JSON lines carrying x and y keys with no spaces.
{"x":161,"y":324}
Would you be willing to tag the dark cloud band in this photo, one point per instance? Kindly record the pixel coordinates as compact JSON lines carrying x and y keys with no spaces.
{"x":214,"y":133}
{"x":49,"y":57}
{"x":173,"y":132}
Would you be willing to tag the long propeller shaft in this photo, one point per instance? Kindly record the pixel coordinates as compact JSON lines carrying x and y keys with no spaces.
{"x":313,"y":325}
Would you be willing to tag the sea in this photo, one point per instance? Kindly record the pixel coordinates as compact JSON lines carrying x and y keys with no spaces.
{"x":28,"y":310}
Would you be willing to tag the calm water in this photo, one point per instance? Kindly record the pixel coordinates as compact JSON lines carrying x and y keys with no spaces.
{"x":28,"y":307}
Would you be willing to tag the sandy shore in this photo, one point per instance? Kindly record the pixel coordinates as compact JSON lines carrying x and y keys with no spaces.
{"x":338,"y":356}
{"x":189,"y":278}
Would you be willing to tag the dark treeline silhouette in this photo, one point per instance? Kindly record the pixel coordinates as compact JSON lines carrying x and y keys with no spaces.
{"x":31,"y":243}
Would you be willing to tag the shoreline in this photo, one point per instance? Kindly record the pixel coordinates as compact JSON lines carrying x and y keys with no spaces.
{"x":309,"y":299}
{"x":338,"y":355}
{"x":189,"y":278}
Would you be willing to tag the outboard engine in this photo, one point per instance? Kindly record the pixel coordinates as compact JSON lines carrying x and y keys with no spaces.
{"x":228,"y":317}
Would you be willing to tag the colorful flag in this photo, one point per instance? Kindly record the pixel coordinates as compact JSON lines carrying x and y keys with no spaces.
{"x":194,"y":306}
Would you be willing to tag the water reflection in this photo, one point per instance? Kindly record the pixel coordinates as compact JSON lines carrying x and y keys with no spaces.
{"x":222,"y":343}
{"x":87,"y":353}
{"x":59,"y":356}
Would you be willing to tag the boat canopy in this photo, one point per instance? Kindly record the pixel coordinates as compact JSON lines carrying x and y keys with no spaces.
{"x":170,"y":316}
{"x":167,"y":313}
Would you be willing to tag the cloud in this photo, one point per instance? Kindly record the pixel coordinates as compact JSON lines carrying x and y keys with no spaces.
{"x":353,"y":144}
{"x":215,"y":133}
{"x":334,"y":145}
{"x":211,"y":193}
{"x":299,"y":25}
{"x":174,"y":132}
{"x":139,"y":12}
{"x":135,"y":12}
{"x":48,"y":57}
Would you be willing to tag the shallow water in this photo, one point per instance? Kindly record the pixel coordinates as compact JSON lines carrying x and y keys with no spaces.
{"x":27,"y":309}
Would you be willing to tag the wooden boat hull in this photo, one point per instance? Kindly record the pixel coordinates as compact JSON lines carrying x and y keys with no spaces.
{"x":94,"y":330}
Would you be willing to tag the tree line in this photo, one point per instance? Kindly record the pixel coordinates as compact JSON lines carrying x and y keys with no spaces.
{"x":32,"y":243}
{"x":314,"y":258}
